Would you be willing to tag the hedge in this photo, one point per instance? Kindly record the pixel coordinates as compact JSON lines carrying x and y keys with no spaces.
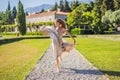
{"x":77,"y":31}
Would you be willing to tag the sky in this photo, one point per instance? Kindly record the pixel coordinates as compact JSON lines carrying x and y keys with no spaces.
{"x":28,"y":3}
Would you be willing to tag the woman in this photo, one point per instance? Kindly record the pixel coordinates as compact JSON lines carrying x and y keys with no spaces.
{"x":60,"y":26}
{"x":60,"y":48}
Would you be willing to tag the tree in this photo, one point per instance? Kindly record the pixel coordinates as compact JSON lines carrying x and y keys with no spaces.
{"x":26,"y":13}
{"x":79,"y":16}
{"x":8,"y":18}
{"x":74,"y":4}
{"x":42,"y":11}
{"x":66,"y":6}
{"x":21,"y":21}
{"x":2,"y":15}
{"x":13,"y":14}
{"x":90,"y":6}
{"x":115,"y":18}
{"x":106,"y":19}
{"x":104,"y":7}
{"x":96,"y":23}
{"x":61,"y":6}
{"x":74,"y":18}
{"x":97,"y":6}
{"x":117,"y":4}
{"x":55,"y":7}
{"x":111,"y":5}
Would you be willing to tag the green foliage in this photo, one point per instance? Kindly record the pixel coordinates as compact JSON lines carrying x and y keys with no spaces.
{"x":54,"y":8}
{"x":111,"y":29}
{"x":96,"y":23}
{"x":21,"y":21}
{"x":74,"y":4}
{"x":44,"y":23}
{"x":7,"y":28}
{"x":86,"y":18}
{"x":111,"y":19}
{"x":61,"y":6}
{"x":101,"y":6}
{"x":42,"y":11}
{"x":104,"y":7}
{"x":116,"y":19}
{"x":13,"y":14}
{"x":34,"y":33}
{"x":66,"y":6}
{"x":74,"y":18}
{"x":106,"y":19}
{"x":2,"y":20}
{"x":9,"y":33}
{"x":80,"y":15}
{"x":75,"y":31}
{"x":97,"y":6}
{"x":117,"y":4}
{"x":8,"y":17}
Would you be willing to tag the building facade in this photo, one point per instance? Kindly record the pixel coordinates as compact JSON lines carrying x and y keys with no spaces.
{"x":49,"y":16}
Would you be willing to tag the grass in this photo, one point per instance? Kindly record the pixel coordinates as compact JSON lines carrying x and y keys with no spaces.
{"x":104,"y":54}
{"x":18,"y":58}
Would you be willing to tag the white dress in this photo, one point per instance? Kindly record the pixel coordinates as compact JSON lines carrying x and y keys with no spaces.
{"x":57,"y":43}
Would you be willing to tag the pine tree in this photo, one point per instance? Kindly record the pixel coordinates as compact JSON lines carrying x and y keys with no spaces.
{"x":66,"y":6}
{"x":42,"y":11}
{"x":21,"y":20}
{"x":104,"y":7}
{"x":8,"y":18}
{"x":74,"y":4}
{"x":61,"y":6}
{"x":117,"y":4}
{"x":97,"y":6}
{"x":55,"y":7}
{"x":110,"y":5}
{"x":13,"y":14}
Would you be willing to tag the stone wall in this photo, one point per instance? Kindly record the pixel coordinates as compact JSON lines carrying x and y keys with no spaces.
{"x":46,"y":18}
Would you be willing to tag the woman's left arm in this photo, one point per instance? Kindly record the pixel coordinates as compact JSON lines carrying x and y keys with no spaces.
{"x":70,"y":36}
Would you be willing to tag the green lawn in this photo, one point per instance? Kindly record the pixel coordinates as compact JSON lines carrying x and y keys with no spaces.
{"x":18,"y":58}
{"x":104,"y":54}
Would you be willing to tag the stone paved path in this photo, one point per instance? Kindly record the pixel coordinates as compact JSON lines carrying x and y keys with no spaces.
{"x":74,"y":67}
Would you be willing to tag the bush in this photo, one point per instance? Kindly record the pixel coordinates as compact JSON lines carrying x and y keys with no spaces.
{"x":34,"y":33}
{"x":75,"y":31}
{"x":111,"y":29}
{"x":28,"y":33}
{"x":8,"y":33}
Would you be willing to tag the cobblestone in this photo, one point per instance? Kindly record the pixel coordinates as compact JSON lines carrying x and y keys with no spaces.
{"x":74,"y":67}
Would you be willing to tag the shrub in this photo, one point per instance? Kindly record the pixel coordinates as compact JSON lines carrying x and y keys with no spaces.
{"x":75,"y":31}
{"x":111,"y":29}
{"x":34,"y":33}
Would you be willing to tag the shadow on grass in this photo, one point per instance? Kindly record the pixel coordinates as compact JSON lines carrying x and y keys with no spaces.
{"x":111,"y":73}
{"x":11,"y":40}
{"x":89,"y":71}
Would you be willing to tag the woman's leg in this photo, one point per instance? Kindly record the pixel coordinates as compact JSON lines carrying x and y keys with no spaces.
{"x":57,"y":58}
{"x":67,"y":47}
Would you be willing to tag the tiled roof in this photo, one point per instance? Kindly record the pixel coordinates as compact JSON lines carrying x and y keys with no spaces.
{"x":46,"y":13}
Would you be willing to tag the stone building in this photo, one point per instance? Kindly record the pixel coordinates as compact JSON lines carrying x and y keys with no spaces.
{"x":49,"y":16}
